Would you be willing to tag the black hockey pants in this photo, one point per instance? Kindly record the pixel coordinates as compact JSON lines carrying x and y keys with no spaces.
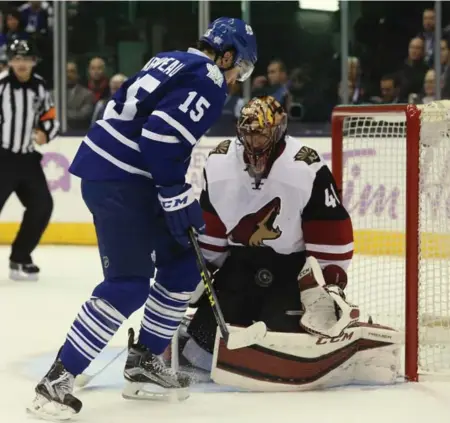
{"x":255,"y":283}
{"x":24,"y":176}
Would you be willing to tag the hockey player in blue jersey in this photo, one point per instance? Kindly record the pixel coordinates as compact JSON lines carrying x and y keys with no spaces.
{"x":132,"y":164}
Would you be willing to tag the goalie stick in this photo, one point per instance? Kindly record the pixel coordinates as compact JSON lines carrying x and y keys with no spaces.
{"x":240,"y":339}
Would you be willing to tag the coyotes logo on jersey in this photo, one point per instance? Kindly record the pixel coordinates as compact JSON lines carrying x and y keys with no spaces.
{"x":255,"y":228}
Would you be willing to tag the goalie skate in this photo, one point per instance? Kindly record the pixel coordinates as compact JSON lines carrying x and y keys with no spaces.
{"x":54,"y":399}
{"x":148,"y":378}
{"x":327,"y":313}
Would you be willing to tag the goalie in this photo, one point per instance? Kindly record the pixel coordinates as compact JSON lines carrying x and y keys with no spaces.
{"x":269,"y":202}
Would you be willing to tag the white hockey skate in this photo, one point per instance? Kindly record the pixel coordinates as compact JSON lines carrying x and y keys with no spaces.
{"x":54,"y":399}
{"x":148,"y":378}
{"x":327,"y":313}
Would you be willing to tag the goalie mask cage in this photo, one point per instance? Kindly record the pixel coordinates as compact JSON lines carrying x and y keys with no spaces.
{"x":392,"y":167}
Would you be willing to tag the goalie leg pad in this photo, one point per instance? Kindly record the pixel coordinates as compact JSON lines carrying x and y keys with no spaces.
{"x":363,"y":355}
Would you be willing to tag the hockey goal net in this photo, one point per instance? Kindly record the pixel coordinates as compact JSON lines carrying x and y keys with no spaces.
{"x":392,"y":165}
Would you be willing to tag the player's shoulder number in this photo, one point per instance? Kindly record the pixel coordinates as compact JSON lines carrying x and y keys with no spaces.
{"x":194,"y":105}
{"x":331,"y":197}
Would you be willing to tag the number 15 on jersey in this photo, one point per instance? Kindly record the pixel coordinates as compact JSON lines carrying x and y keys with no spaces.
{"x":194,"y":105}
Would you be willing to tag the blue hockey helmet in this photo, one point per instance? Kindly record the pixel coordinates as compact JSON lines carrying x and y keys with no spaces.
{"x":226,"y":33}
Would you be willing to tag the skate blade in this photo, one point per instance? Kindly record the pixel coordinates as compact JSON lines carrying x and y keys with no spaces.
{"x":152,"y":392}
{"x":17,"y":275}
{"x":44,"y":409}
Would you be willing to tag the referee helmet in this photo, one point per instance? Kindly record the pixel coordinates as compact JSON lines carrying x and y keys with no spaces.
{"x":20,"y":48}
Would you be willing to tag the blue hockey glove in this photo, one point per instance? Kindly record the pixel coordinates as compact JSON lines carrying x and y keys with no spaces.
{"x":182,"y":211}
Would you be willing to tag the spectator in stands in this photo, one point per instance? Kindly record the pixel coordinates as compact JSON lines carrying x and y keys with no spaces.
{"x":13,"y":28}
{"x":34,"y":17}
{"x":427,"y":35}
{"x":114,"y":84}
{"x":352,"y":98}
{"x":276,"y":73}
{"x":80,"y":101}
{"x":429,"y":88}
{"x":98,"y":82}
{"x":445,"y":69}
{"x":389,"y":89}
{"x":306,"y":101}
{"x":354,"y":80}
{"x":413,"y":70}
{"x":259,"y":84}
{"x":274,"y":84}
{"x":234,"y":102}
{"x":278,"y":78}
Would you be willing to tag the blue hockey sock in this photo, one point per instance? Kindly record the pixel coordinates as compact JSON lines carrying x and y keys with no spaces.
{"x":95,"y":325}
{"x":164,"y":311}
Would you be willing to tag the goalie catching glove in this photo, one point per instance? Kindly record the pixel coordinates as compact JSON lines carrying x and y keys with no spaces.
{"x":182,"y":211}
{"x":327,"y":313}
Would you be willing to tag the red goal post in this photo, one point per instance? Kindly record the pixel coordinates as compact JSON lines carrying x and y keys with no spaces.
{"x":401,"y":271}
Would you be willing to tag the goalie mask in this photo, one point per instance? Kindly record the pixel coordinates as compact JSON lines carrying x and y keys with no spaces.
{"x":261,"y":125}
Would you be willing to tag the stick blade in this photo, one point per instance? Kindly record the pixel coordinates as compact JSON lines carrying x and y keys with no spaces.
{"x":82,"y":380}
{"x":248,"y":336}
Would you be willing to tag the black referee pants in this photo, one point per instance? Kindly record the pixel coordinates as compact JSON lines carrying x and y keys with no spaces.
{"x":24,"y":176}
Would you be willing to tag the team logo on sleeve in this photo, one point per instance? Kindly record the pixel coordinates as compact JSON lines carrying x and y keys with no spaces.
{"x":222,"y":148}
{"x":214,"y":74}
{"x":307,"y":155}
{"x":256,"y":228}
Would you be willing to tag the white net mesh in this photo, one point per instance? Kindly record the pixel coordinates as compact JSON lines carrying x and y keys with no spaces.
{"x":374,"y":191}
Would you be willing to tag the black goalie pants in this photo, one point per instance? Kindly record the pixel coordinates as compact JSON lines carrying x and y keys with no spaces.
{"x":253,"y":284}
{"x":24,"y":176}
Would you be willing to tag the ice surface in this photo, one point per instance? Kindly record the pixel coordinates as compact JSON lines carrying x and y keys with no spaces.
{"x":36,"y":316}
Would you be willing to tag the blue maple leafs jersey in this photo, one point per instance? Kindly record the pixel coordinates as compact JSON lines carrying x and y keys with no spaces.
{"x":154,"y":120}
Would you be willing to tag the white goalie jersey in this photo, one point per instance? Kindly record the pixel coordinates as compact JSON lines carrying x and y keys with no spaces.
{"x":296,"y":207}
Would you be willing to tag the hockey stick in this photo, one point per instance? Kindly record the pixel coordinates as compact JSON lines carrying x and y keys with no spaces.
{"x":240,"y":339}
{"x":84,"y":379}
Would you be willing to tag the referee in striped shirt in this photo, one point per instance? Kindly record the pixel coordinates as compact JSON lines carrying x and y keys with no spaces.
{"x":27,"y":117}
